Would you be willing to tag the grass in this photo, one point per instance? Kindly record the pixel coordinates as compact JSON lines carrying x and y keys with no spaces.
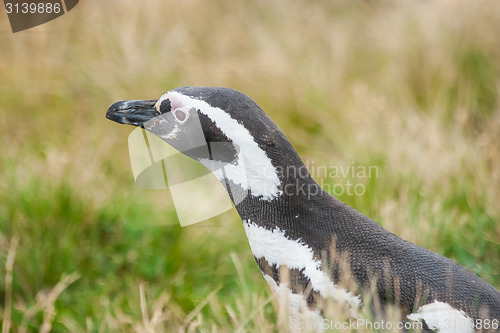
{"x":411,"y":88}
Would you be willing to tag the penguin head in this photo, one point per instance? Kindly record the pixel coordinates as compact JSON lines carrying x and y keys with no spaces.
{"x":221,"y":128}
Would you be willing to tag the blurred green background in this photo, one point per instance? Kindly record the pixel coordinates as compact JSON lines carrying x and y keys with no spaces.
{"x":409,"y":87}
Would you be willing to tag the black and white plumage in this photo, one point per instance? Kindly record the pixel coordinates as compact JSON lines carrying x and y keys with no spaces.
{"x":291,"y":221}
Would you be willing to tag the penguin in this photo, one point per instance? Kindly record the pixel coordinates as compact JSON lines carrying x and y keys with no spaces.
{"x":296,"y":227}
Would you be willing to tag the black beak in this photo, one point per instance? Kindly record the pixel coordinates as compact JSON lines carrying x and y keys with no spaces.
{"x":133,"y":112}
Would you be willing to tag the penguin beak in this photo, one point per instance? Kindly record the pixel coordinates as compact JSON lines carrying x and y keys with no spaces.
{"x":133,"y":112}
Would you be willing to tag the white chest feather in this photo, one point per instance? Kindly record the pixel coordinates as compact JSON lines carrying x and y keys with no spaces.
{"x":443,"y":318}
{"x":277,"y":249}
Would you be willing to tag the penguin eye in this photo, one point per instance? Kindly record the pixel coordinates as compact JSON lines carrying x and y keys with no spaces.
{"x":181,"y":115}
{"x":165,"y":106}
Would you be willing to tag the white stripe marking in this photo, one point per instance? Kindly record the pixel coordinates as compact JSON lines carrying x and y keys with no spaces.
{"x":253,"y":170}
{"x":297,"y":305}
{"x":444,"y":318}
{"x":277,"y":249}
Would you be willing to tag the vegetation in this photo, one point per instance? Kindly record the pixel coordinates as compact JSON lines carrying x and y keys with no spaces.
{"x":410,"y":87}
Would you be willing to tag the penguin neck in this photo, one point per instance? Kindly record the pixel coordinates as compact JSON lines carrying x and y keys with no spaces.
{"x":266,"y":178}
{"x":296,"y":196}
